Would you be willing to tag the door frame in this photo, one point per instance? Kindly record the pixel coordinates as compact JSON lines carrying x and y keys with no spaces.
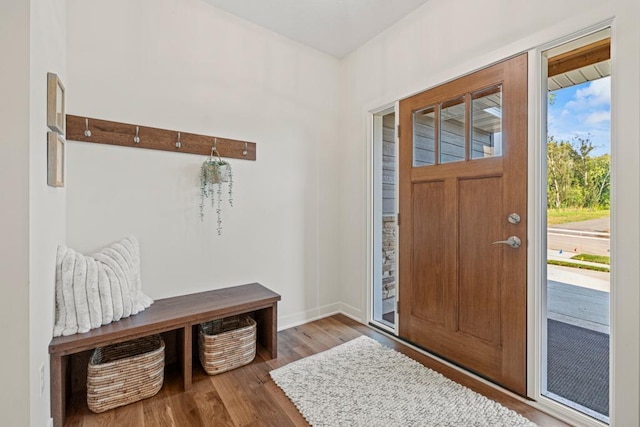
{"x":537,"y":227}
{"x":374,"y":205}
{"x":535,"y":44}
{"x":374,"y":217}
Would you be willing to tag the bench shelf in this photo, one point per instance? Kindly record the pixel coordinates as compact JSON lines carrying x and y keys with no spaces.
{"x":179,"y":313}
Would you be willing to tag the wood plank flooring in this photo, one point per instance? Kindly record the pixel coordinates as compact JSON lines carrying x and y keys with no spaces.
{"x":247,"y":396}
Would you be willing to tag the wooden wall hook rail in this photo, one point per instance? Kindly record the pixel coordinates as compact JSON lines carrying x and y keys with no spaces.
{"x":116,"y":133}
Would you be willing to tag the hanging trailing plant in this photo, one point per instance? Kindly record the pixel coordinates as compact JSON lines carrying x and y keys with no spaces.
{"x":215,"y":172}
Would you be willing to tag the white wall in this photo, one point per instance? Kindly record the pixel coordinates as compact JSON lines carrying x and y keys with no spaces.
{"x":184,"y":65}
{"x":14,"y":208}
{"x":298,"y":225}
{"x":47,"y":204}
{"x":445,"y":39}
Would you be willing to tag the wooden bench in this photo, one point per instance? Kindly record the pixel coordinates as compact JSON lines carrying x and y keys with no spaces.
{"x":178,"y":313}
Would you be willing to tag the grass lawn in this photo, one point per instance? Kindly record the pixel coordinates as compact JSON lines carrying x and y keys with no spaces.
{"x":561,"y":216}
{"x":601,"y":259}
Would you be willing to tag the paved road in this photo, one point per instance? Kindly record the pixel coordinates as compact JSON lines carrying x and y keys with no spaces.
{"x":600,"y":224}
{"x":578,"y":244}
{"x":565,"y":237}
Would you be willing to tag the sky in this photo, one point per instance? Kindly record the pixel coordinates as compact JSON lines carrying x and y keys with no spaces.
{"x":581,"y":110}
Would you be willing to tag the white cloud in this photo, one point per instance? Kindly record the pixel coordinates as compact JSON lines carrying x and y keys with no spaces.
{"x":583,"y":112}
{"x":598,"y":117}
{"x":596,"y":94}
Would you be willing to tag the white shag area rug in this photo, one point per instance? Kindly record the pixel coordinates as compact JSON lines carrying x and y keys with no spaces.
{"x":363,"y":383}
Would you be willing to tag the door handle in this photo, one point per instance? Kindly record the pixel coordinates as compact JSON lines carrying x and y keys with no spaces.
{"x":513,"y":242}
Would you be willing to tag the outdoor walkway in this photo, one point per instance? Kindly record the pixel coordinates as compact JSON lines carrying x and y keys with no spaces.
{"x":578,"y":339}
{"x":578,"y":297}
{"x":578,"y":306}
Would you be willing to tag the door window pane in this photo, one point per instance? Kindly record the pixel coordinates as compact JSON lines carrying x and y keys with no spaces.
{"x":452,"y":140}
{"x":486,"y":129}
{"x":424,"y":146}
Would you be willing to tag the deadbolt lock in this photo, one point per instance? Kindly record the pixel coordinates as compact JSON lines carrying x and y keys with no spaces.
{"x":514,"y":218}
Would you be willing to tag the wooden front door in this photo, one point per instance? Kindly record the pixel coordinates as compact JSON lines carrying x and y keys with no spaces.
{"x":463,"y":191}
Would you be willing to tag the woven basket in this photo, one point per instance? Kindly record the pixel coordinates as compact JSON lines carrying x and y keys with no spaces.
{"x":227,"y":343}
{"x":124,"y":373}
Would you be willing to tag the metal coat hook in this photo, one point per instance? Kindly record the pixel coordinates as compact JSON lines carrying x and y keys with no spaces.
{"x":87,"y":132}
{"x":245,"y":151}
{"x":178,"y":143}
{"x":136,"y":138}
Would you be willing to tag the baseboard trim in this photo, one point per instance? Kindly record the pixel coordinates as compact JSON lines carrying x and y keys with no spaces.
{"x":297,"y":319}
{"x":352,"y":312}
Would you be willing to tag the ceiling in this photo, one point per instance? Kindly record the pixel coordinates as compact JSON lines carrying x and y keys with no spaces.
{"x":581,"y":75}
{"x":590,"y":57}
{"x":336,"y":27}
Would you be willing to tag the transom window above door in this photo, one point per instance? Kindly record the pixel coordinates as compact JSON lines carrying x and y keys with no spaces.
{"x":463,"y":128}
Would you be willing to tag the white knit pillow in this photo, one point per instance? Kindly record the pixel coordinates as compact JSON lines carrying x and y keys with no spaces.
{"x":95,"y":290}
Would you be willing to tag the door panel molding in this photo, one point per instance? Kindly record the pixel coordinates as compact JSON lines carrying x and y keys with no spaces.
{"x":462,"y":297}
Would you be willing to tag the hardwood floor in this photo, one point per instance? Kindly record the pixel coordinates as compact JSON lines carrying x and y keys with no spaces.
{"x":247,"y":396}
